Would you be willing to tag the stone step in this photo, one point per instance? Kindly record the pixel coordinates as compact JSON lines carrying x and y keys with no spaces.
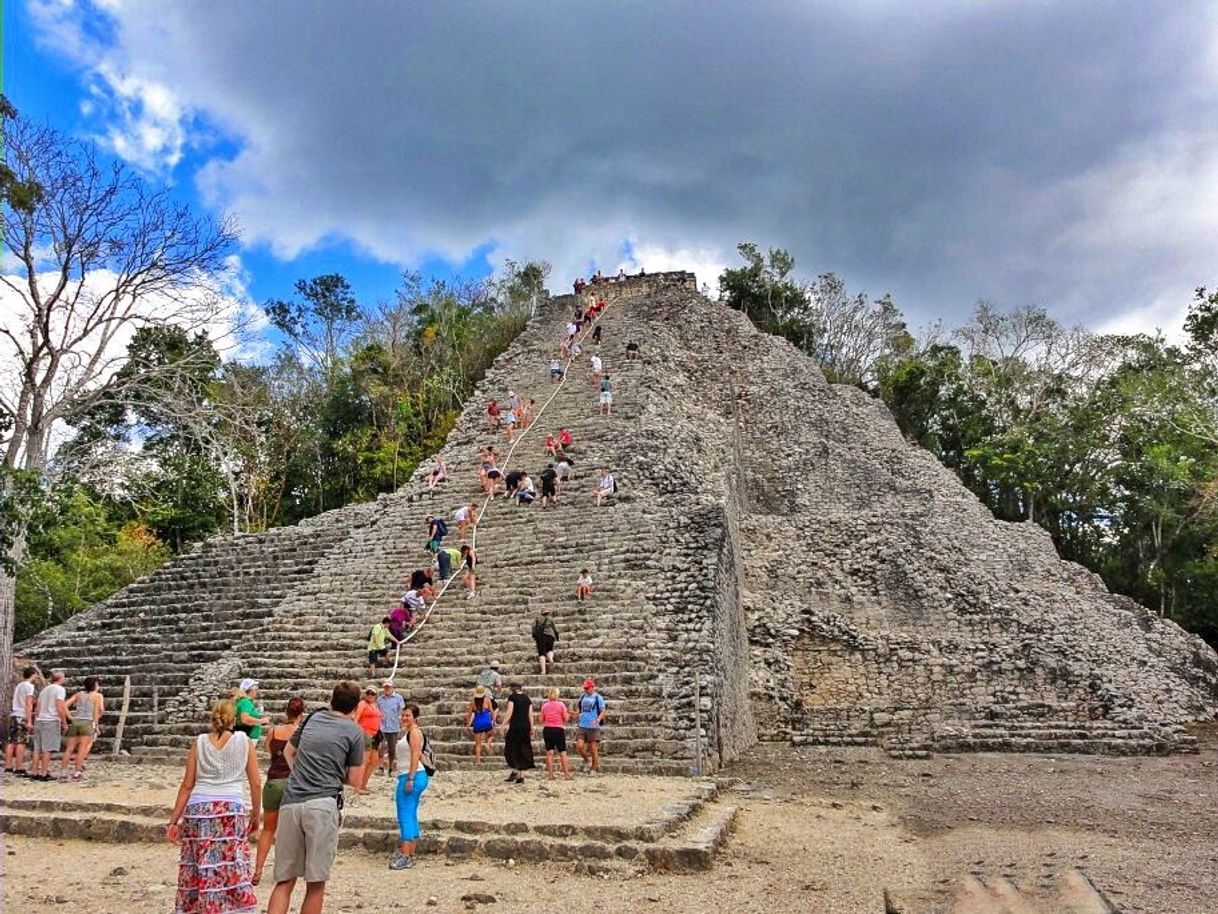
{"x":690,"y":848}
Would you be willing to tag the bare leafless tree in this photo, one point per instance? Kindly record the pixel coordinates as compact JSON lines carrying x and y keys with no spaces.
{"x":100,"y":255}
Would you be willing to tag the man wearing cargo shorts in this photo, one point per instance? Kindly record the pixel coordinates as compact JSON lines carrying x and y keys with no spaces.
{"x":325,"y":753}
{"x":20,"y":722}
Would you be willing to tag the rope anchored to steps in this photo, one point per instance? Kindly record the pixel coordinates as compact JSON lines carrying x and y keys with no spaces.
{"x":397,"y":654}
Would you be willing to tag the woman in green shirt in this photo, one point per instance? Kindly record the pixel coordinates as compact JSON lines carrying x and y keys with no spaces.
{"x":249,"y":720}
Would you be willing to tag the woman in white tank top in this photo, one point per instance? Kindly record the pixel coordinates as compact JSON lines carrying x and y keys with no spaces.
{"x":211,"y":821}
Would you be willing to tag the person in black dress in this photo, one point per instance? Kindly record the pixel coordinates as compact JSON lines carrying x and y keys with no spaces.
{"x":516,"y":717}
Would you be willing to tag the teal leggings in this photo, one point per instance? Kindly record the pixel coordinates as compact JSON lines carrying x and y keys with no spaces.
{"x":408,"y":804}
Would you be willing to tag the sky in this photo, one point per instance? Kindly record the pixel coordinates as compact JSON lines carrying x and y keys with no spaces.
{"x":1060,"y":153}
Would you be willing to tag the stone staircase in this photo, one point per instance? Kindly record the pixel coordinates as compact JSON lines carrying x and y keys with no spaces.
{"x":299,"y":629}
{"x":189,"y":613}
{"x":779,"y":560}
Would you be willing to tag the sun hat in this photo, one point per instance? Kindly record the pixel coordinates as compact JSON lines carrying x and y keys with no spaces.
{"x":479,"y":691}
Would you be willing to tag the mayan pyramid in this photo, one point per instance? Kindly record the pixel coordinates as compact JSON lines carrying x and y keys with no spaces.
{"x":779,"y":564}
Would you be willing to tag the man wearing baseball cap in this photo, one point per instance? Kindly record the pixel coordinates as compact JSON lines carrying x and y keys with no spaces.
{"x":591,"y":717}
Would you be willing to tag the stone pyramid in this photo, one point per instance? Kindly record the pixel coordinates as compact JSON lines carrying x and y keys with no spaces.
{"x":778,"y":564}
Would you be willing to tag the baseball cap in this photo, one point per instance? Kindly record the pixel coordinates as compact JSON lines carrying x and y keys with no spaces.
{"x":494,"y":664}
{"x":370,"y":688}
{"x":589,"y":684}
{"x":387,"y":682}
{"x":247,"y":684}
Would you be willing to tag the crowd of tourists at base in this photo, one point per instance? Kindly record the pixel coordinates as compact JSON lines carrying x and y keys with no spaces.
{"x":317,"y":761}
{"x":42,"y":722}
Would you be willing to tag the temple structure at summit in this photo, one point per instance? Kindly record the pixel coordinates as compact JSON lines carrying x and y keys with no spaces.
{"x":778,"y":564}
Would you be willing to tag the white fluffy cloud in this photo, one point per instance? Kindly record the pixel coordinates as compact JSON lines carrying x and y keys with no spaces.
{"x":1055,"y":153}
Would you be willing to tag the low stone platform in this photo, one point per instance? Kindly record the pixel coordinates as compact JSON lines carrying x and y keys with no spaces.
{"x":668,"y":824}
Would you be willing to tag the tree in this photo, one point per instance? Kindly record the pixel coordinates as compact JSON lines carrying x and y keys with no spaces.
{"x":322,"y":323}
{"x":763,"y":288}
{"x":98,"y":255}
{"x":848,"y":335}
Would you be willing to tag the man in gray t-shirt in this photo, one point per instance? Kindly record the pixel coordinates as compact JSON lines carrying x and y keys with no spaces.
{"x":326,"y":752}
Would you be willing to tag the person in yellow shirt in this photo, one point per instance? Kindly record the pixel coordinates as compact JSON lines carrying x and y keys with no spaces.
{"x":378,"y":644}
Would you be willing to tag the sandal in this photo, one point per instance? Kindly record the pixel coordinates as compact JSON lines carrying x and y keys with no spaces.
{"x":256,"y":878}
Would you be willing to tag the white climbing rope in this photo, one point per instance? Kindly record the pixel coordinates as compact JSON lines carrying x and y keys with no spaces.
{"x":473,"y":544}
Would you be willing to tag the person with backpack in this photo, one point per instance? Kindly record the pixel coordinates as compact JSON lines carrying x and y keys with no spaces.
{"x":516,"y":717}
{"x":480,"y":719}
{"x":607,"y":487}
{"x":416,"y":765}
{"x":591,"y":717}
{"x":545,"y":634}
{"x":437,"y":529}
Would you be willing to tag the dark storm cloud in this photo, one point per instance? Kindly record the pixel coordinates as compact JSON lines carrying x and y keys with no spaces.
{"x":1050,"y":152}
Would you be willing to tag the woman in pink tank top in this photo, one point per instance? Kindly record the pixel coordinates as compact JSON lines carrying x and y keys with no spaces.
{"x":554,"y":716}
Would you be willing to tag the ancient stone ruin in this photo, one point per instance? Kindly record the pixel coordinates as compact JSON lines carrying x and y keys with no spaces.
{"x":778,"y":564}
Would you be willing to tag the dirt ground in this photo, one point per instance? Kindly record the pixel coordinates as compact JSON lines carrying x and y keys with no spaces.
{"x":480,"y":795}
{"x":820,"y":831}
